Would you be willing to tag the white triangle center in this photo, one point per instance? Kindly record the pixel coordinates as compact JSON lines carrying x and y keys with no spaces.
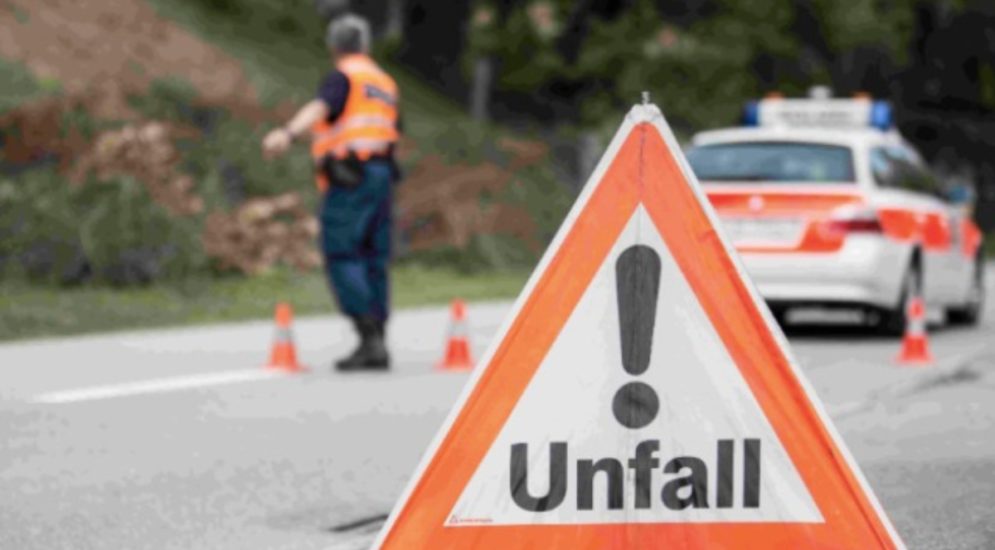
{"x":716,"y":457}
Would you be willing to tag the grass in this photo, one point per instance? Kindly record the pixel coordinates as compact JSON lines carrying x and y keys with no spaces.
{"x":30,"y":311}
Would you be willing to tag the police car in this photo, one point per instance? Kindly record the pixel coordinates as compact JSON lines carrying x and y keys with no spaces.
{"x":828,"y":205}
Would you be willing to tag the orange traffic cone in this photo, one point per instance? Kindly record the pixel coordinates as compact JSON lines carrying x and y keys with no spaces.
{"x":915,"y":345}
{"x":284,"y":355}
{"x":457,"y":355}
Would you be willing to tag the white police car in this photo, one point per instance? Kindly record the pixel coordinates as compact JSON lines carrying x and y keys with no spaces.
{"x":828,"y":205}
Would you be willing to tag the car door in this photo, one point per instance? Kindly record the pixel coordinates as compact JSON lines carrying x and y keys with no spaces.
{"x":961,"y":258}
{"x":908,"y":191}
{"x":938,"y":231}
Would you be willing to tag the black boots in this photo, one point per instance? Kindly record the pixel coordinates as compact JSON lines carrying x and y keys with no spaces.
{"x":372,"y":351}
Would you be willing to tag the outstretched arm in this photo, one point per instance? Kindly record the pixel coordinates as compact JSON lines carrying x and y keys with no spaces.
{"x":278,"y":140}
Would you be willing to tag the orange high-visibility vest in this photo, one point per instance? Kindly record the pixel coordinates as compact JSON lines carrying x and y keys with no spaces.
{"x":367,"y":125}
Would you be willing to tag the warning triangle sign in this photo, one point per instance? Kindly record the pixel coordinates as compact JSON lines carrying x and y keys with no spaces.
{"x":639,"y":396}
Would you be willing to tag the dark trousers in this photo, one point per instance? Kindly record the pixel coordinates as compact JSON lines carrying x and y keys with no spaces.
{"x":355,"y":239}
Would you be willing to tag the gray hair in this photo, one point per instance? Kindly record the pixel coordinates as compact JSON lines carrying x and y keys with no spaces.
{"x":348,"y":33}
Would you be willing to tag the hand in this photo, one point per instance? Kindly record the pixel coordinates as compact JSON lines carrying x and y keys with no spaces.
{"x":276,"y":143}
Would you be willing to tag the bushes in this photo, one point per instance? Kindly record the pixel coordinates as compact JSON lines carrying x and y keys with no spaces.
{"x":110,"y":231}
{"x":223,"y":153}
{"x":20,"y":85}
{"x":229,"y":163}
{"x":36,"y":228}
{"x":127,"y":238}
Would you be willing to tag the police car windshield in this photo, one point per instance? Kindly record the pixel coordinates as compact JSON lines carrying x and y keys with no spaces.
{"x":772,"y":162}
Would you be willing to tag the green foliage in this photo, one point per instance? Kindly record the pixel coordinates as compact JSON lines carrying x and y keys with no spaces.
{"x":286,"y":65}
{"x":290,"y":173}
{"x":108,"y":230}
{"x":78,"y":121}
{"x":127,"y":238}
{"x":113,"y":232}
{"x":699,"y":69}
{"x":483,"y":254}
{"x":280,"y":44}
{"x":636,"y":51}
{"x":545,"y":198}
{"x":18,"y":85}
{"x":228,"y":163}
{"x":849,"y":25}
{"x":224,"y":156}
{"x":38,"y":232}
{"x":281,"y":47}
{"x":167,"y":98}
{"x":34,"y":310}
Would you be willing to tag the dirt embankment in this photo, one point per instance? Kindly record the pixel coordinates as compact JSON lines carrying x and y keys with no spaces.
{"x":108,"y":48}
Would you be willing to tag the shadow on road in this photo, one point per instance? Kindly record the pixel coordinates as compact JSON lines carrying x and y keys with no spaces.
{"x":853,"y":331}
{"x":840,"y":332}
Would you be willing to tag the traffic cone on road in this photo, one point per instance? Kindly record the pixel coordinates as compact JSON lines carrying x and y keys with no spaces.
{"x":284,"y":355}
{"x":457,"y":355}
{"x":915,"y":344}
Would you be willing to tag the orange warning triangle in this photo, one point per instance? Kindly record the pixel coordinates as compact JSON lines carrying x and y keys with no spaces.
{"x":640,"y":396}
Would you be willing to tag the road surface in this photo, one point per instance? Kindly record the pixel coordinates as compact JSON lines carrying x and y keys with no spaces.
{"x":178,"y":439}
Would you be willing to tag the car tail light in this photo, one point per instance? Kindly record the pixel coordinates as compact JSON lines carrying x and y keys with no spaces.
{"x":854,"y":220}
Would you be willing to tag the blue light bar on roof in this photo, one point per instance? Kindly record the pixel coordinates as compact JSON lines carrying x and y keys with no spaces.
{"x":881,"y":115}
{"x":751,"y":113}
{"x":833,"y":113}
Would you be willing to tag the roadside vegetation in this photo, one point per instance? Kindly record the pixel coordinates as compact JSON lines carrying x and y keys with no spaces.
{"x":94,"y":236}
{"x":31,"y":311}
{"x":19,"y":85}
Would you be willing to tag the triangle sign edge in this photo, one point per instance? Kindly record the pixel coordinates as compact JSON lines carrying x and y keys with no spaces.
{"x":637,"y":114}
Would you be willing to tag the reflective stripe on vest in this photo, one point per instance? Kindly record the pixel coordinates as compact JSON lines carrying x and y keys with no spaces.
{"x":358,"y":121}
{"x":368,"y":123}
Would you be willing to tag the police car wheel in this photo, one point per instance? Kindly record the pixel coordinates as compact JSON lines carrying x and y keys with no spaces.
{"x":970,"y":313}
{"x":892,"y":322}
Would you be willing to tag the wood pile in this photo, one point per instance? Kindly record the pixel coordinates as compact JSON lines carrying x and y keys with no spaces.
{"x":146,"y":153}
{"x":261,"y":233}
{"x":252,"y":238}
{"x":441,"y":204}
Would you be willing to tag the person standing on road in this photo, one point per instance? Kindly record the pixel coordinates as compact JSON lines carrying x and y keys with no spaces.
{"x":354,"y":127}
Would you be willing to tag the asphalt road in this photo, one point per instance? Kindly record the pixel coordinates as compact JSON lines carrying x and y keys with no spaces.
{"x":178,"y":439}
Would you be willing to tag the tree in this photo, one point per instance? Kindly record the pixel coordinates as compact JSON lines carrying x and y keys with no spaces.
{"x":434,"y":40}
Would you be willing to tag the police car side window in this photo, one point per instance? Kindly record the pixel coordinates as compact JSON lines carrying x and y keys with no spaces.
{"x":895,"y":168}
{"x":915,"y":177}
{"x":883,"y":168}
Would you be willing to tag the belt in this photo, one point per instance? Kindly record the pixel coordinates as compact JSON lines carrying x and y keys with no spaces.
{"x":380,"y":157}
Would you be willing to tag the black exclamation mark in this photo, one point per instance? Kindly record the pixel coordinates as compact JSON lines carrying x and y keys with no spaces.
{"x":637,"y":280}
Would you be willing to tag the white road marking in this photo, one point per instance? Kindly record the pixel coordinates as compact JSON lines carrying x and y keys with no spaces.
{"x":158,"y":385}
